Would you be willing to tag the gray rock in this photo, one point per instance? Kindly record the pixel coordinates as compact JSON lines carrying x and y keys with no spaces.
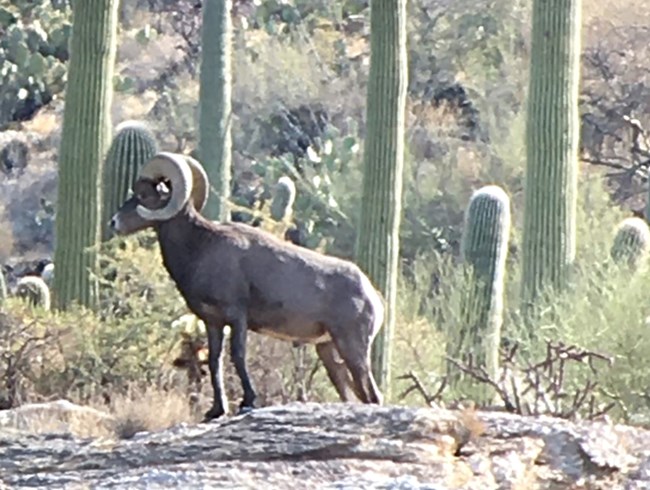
{"x":340,"y":446}
{"x":60,"y":416}
{"x":14,"y":157}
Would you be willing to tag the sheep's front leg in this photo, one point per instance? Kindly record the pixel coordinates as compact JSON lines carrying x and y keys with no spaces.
{"x":239,"y":328}
{"x":215,"y":363}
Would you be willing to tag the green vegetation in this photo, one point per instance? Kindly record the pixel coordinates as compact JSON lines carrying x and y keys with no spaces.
{"x":283,"y":199}
{"x":378,"y":238}
{"x":484,"y":251}
{"x":631,"y":243}
{"x":552,"y":136}
{"x":215,"y":105}
{"x":299,"y":98}
{"x":85,"y":133}
{"x":33,"y":52}
{"x":132,"y":145}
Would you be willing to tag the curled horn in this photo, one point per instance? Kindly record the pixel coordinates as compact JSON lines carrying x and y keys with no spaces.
{"x":200,"y":186}
{"x":172,"y":167}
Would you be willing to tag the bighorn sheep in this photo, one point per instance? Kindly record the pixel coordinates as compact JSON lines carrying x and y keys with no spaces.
{"x":237,"y":275}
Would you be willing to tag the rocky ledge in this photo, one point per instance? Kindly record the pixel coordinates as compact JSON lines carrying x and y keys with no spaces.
{"x":339,"y":446}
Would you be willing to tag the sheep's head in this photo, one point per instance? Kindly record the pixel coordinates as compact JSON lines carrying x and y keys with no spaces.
{"x":167,"y":184}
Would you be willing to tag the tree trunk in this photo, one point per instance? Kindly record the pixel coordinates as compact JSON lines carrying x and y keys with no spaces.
{"x":552,"y":134}
{"x":215,"y":113}
{"x":378,"y":237}
{"x":85,"y":135}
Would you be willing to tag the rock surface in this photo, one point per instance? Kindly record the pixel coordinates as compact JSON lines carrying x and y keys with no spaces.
{"x":338,"y":446}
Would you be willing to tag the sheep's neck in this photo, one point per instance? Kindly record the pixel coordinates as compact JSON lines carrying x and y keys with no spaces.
{"x":180,"y":240}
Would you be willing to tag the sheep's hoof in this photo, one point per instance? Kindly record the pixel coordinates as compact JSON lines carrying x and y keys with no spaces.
{"x":245,"y":409}
{"x":213,"y":413}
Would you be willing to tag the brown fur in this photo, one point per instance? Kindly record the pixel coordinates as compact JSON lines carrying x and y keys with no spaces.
{"x":238,"y":275}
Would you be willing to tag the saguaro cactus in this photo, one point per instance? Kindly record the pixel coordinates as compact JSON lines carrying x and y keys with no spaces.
{"x":631,"y":243}
{"x":85,"y":134}
{"x":283,"y":199}
{"x":377,"y":247}
{"x":132,"y":145}
{"x":552,"y":147}
{"x":484,"y":249}
{"x":215,"y":89}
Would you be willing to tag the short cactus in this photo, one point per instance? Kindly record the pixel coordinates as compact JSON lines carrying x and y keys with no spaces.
{"x":283,"y":199}
{"x":485,"y":249}
{"x":131,"y":147}
{"x":34,"y":290}
{"x":631,"y":243}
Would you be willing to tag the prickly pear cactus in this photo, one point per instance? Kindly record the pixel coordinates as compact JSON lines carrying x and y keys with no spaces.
{"x":631,"y":243}
{"x":283,"y":199}
{"x":132,"y":145}
{"x":484,"y":249}
{"x":33,"y":52}
{"x":34,"y":291}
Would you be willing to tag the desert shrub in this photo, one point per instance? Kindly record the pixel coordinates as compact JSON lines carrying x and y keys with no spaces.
{"x":130,"y":344}
{"x":148,"y":408}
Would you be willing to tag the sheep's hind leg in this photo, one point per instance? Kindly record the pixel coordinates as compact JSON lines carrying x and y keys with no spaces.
{"x":238,"y":354}
{"x":336,"y":369}
{"x":356,"y":354}
{"x":215,"y":363}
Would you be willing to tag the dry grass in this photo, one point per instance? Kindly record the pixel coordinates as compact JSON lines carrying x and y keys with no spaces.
{"x":44,"y":123}
{"x":151,"y":409}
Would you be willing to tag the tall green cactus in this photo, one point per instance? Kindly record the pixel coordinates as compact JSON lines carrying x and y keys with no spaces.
{"x":85,"y":135}
{"x":631,"y":243}
{"x":484,"y":249}
{"x":377,"y":247}
{"x":552,"y":147}
{"x":215,"y":113}
{"x":283,"y":199}
{"x":132,"y":145}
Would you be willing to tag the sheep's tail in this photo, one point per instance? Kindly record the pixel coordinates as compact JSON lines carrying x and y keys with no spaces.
{"x":377,"y":305}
